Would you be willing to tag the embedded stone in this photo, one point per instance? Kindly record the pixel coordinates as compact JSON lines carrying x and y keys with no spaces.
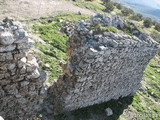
{"x":7,"y":48}
{"x":6,"y":38}
{"x":4,"y":82}
{"x":109,"y":111}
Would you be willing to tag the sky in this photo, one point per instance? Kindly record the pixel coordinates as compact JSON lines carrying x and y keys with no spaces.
{"x":150,"y":3}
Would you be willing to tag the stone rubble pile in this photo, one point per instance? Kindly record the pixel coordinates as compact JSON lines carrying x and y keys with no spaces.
{"x":21,"y":84}
{"x":102,"y":65}
{"x":67,"y":28}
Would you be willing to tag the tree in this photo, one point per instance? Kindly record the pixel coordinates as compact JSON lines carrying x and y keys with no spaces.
{"x":127,"y":11}
{"x":147,"y":22}
{"x":140,"y":16}
{"x":157,"y":27}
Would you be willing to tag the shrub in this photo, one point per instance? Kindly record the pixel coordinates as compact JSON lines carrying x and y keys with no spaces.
{"x":154,"y":22}
{"x":118,"y":5}
{"x":109,"y":6}
{"x":137,"y":17}
{"x":129,"y":29}
{"x":156,"y":36}
{"x":106,"y":1}
{"x":157,"y":27}
{"x":147,"y":22}
{"x":127,"y":11}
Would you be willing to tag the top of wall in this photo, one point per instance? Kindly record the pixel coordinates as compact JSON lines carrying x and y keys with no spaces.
{"x":13,"y":36}
{"x":114,"y":30}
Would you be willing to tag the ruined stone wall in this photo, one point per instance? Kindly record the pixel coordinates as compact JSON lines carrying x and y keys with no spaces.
{"x":21,"y":84}
{"x":102,"y":65}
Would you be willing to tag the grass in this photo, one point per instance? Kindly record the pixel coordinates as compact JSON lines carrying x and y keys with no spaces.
{"x":51,"y":35}
{"x":147,"y":100}
{"x":63,"y":16}
{"x":54,"y":70}
{"x":100,"y":28}
{"x":53,"y":52}
{"x":108,"y":29}
{"x":95,"y":5}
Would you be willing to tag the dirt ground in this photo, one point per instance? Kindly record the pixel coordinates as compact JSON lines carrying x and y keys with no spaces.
{"x":34,"y":9}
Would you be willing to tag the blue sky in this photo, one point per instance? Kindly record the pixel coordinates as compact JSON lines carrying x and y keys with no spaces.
{"x":151,"y":3}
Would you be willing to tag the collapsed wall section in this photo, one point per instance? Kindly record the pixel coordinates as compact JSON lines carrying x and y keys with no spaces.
{"x":102,"y":65}
{"x":21,"y":84}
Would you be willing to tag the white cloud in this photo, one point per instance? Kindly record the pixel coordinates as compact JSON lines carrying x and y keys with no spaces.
{"x":158,"y":1}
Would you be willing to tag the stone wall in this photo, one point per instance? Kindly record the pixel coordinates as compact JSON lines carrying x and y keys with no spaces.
{"x":21,"y":84}
{"x":102,"y":65}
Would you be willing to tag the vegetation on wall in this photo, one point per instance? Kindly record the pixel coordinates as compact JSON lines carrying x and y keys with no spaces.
{"x":53,"y":51}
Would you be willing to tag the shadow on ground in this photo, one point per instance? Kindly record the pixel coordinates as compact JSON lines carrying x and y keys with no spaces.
{"x":96,"y":112}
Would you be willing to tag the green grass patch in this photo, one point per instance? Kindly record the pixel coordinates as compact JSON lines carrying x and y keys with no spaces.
{"x":54,"y":51}
{"x":54,"y":71}
{"x":63,"y":16}
{"x":100,"y":28}
{"x":108,"y":29}
{"x":146,"y":101}
{"x":51,"y":35}
{"x":91,"y":5}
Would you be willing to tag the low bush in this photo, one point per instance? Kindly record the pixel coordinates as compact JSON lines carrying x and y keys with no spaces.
{"x":127,"y":11}
{"x":147,"y":22}
{"x":157,"y":27}
{"x":137,"y":17}
{"x":109,"y":6}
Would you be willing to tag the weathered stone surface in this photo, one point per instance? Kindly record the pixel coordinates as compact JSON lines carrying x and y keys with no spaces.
{"x":6,"y":38}
{"x":18,"y":101}
{"x":109,"y":111}
{"x":4,"y":82}
{"x":102,"y":65}
{"x":7,"y":48}
{"x":1,"y":118}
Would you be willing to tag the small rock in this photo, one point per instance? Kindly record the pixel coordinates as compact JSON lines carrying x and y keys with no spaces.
{"x":93,"y":50}
{"x":1,"y":118}
{"x":112,"y":43}
{"x":102,"y":47}
{"x":7,"y":48}
{"x":35,"y":74}
{"x":135,"y":32}
{"x":47,"y":65}
{"x":158,"y":70}
{"x":79,"y":13}
{"x":109,"y":111}
{"x":6,"y":38}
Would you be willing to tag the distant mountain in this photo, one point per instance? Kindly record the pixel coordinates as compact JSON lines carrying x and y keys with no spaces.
{"x":149,"y":8}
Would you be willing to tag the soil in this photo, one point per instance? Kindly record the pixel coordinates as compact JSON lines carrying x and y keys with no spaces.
{"x":34,"y":9}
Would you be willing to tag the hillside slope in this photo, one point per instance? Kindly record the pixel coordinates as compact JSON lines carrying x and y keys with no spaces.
{"x":149,"y":9}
